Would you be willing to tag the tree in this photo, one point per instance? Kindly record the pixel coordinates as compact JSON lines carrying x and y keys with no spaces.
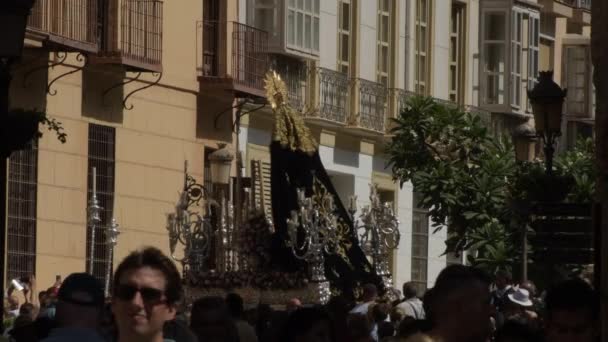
{"x":472,"y":183}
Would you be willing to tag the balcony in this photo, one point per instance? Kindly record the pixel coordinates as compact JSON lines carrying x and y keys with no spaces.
{"x":371,"y":98}
{"x":584,"y":4}
{"x":65,"y":25}
{"x":295,"y":74}
{"x":133,"y":36}
{"x":332,"y":98}
{"x":244,"y":71}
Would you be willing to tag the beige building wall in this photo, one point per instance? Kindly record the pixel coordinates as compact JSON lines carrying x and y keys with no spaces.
{"x":165,"y":127}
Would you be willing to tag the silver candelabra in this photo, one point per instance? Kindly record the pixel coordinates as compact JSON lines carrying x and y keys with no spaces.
{"x":112,"y":233}
{"x":312,"y":231}
{"x":93,"y":218}
{"x":378,"y":232}
{"x":190,"y":228}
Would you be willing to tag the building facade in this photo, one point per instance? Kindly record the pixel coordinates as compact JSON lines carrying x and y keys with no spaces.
{"x":143,"y":86}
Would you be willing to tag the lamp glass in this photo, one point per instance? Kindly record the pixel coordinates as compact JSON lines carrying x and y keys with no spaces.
{"x":220,"y":172}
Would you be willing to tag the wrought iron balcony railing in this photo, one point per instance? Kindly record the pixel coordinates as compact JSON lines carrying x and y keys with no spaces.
{"x":372,"y":105}
{"x":249,"y":55}
{"x":133,"y":35}
{"x":295,"y":74}
{"x":240,"y":66}
{"x":334,"y":97}
{"x":67,"y":25}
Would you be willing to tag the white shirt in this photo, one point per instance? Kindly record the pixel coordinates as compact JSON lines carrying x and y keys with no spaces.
{"x":362,"y":308}
{"x":413,"y":308}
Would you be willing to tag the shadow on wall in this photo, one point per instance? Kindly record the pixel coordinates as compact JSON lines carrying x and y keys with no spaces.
{"x":103,"y":93}
{"x":210,"y":106}
{"x":30,"y":77}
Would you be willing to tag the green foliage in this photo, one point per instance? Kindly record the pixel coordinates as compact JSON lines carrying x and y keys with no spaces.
{"x":21,"y":126}
{"x":471,"y":182}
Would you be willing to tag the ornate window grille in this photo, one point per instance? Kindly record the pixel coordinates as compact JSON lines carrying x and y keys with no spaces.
{"x":102,"y":141}
{"x":295,"y":74}
{"x":22,"y":204}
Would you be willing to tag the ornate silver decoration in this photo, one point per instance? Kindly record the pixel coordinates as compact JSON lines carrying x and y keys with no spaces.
{"x":311,"y":233}
{"x":378,"y":232}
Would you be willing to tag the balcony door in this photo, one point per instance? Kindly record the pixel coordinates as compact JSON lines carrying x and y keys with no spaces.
{"x":211,"y":17}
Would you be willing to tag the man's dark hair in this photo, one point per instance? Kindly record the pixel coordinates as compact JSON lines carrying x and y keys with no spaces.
{"x":152,"y":257}
{"x":572,"y":295}
{"x":370,"y":290}
{"x":449,"y":281}
{"x":504,"y":274}
{"x":235,"y":305}
{"x":302,"y":320}
{"x":380,"y":312}
{"x":409,"y":290}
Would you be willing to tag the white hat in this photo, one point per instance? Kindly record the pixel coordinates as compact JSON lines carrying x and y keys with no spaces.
{"x":521,"y":296}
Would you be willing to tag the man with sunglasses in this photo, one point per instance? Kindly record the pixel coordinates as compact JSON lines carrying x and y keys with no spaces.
{"x":147,"y":288}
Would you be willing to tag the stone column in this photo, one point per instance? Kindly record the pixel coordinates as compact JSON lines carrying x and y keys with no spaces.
{"x":599,"y":36}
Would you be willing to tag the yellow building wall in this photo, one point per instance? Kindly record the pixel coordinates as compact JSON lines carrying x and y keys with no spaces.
{"x":152,"y":142}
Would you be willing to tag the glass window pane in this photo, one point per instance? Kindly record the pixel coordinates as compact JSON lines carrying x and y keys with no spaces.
{"x":495,"y":58}
{"x":495,"y":26}
{"x":422,"y":10}
{"x":291,"y":33}
{"x":385,"y":28}
{"x":292,"y":3}
{"x":384,"y":53}
{"x":453,"y":53}
{"x":345,"y":16}
{"x":307,"y":32}
{"x":301,"y":4}
{"x":344,"y":54}
{"x":300,"y":30}
{"x":452,"y":78}
{"x":422,"y":40}
{"x":317,"y":8}
{"x":308,"y":5}
{"x":315,"y":35}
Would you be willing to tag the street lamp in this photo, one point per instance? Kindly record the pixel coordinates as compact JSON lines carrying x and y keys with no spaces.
{"x":524,"y":139}
{"x":13,"y":20}
{"x":221,"y":161}
{"x":547,"y":99}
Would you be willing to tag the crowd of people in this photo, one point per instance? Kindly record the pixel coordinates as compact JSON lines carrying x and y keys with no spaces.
{"x":146,"y":304}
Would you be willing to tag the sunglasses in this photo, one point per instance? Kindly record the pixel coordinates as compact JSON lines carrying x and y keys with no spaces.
{"x":148,"y":295}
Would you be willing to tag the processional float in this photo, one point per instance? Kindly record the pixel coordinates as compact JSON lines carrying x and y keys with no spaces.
{"x":309,"y":245}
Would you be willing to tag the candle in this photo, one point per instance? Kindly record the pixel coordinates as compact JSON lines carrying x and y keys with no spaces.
{"x":94,"y":180}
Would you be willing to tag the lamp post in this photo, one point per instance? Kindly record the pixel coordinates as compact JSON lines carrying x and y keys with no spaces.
{"x":13,"y":20}
{"x":547,"y":99}
{"x":221,"y":162}
{"x":524,"y":140}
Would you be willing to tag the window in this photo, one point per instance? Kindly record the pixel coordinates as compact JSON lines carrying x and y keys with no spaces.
{"x":22,"y":205}
{"x":457,"y":53}
{"x":303,"y":25}
{"x":422,"y":74}
{"x":494,"y":52}
{"x":577,"y":71}
{"x":383,"y":42}
{"x":420,"y":245}
{"x":533,"y":53}
{"x":101,"y":157}
{"x":516,"y":56}
{"x":265,"y":16}
{"x":345,"y":22}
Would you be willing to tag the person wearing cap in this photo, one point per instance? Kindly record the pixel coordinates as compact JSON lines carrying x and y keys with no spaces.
{"x":147,"y":288}
{"x":79,"y":307}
